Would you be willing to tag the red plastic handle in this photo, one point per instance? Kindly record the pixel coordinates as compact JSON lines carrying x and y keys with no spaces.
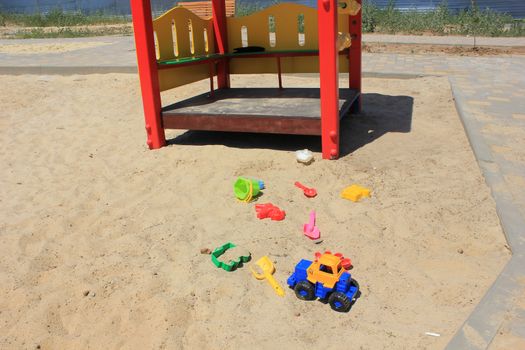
{"x":300,"y":185}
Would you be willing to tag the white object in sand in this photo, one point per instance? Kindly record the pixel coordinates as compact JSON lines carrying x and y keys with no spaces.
{"x":304,"y":156}
{"x":433,"y":334}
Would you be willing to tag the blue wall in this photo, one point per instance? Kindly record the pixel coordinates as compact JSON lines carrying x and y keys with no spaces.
{"x":117,"y":7}
{"x":515,"y":8}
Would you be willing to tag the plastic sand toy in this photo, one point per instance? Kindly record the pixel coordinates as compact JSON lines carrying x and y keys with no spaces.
{"x":268,"y":210}
{"x":267,"y":268}
{"x":245,"y":189}
{"x":304,"y":156}
{"x":355,"y":193}
{"x":310,"y":230}
{"x":325,"y":278}
{"x":308,"y":192}
{"x":219,"y":259}
{"x":346,"y":263}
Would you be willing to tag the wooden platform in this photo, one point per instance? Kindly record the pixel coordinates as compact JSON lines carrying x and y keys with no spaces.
{"x":265,"y":110}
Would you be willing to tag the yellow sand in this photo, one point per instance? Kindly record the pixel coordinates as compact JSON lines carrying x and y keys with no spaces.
{"x":29,"y":49}
{"x":100,"y":238}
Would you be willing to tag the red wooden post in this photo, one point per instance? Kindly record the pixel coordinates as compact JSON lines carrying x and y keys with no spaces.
{"x":147,"y":64}
{"x":354,"y":55}
{"x":279,"y":74}
{"x":221,"y":41}
{"x":328,"y":71}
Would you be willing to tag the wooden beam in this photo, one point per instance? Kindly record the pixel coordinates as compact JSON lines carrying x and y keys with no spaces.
{"x":243,"y":123}
{"x":266,"y":110}
{"x":221,"y":42}
{"x":354,"y":56}
{"x":148,"y":75}
{"x":329,"y":76}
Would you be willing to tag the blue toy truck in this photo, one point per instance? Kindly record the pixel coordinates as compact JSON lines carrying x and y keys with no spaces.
{"x":325,"y":279}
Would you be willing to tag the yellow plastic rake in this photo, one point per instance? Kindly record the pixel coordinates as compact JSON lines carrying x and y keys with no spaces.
{"x":267,"y":268}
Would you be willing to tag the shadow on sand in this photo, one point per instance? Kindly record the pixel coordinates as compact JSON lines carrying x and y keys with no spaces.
{"x":381,"y":114}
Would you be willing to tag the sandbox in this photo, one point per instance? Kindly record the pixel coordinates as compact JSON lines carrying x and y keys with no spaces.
{"x":100,"y":238}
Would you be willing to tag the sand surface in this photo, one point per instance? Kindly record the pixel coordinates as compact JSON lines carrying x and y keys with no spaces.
{"x":29,"y":49}
{"x":442,"y":50}
{"x":10,"y":31}
{"x":100,"y":238}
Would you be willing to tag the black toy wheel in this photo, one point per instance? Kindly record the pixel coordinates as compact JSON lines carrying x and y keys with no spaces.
{"x":305,"y":290}
{"x":339,"y":302}
{"x":354,"y":282}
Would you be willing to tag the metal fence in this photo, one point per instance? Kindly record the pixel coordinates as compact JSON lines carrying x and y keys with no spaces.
{"x":106,"y":7}
{"x":516,"y":8}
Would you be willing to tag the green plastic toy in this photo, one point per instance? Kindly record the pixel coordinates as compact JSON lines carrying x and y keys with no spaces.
{"x":231,"y":264}
{"x":246,"y":189}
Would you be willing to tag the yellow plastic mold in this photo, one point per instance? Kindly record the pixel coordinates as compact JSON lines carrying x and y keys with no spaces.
{"x":355,"y":193}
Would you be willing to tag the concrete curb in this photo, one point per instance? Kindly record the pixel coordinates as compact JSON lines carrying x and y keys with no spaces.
{"x":484,"y":322}
{"x":452,"y":40}
{"x":387,"y":75}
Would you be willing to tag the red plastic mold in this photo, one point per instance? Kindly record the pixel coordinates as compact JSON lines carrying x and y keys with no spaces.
{"x":268,"y":210}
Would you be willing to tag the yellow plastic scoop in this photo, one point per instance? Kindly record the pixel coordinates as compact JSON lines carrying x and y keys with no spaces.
{"x":268,"y":269}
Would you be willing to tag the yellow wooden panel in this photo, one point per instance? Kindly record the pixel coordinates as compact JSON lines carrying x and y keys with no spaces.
{"x":163,"y":29}
{"x":309,"y":64}
{"x":182,"y":16}
{"x":342,"y":24}
{"x":170,"y":78}
{"x":286,"y":17}
{"x":286,"y":28}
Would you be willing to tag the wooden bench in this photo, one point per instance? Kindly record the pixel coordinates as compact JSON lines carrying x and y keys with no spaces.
{"x":203,"y":8}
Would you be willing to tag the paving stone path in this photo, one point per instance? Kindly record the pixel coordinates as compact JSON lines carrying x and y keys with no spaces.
{"x":490,"y":97}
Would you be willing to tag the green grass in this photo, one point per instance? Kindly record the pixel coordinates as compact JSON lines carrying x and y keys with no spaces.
{"x":57,"y":18}
{"x":440,"y":21}
{"x":70,"y":32}
{"x":243,"y":8}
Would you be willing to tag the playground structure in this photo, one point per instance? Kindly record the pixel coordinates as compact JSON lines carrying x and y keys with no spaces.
{"x":204,"y":9}
{"x":179,"y":48}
